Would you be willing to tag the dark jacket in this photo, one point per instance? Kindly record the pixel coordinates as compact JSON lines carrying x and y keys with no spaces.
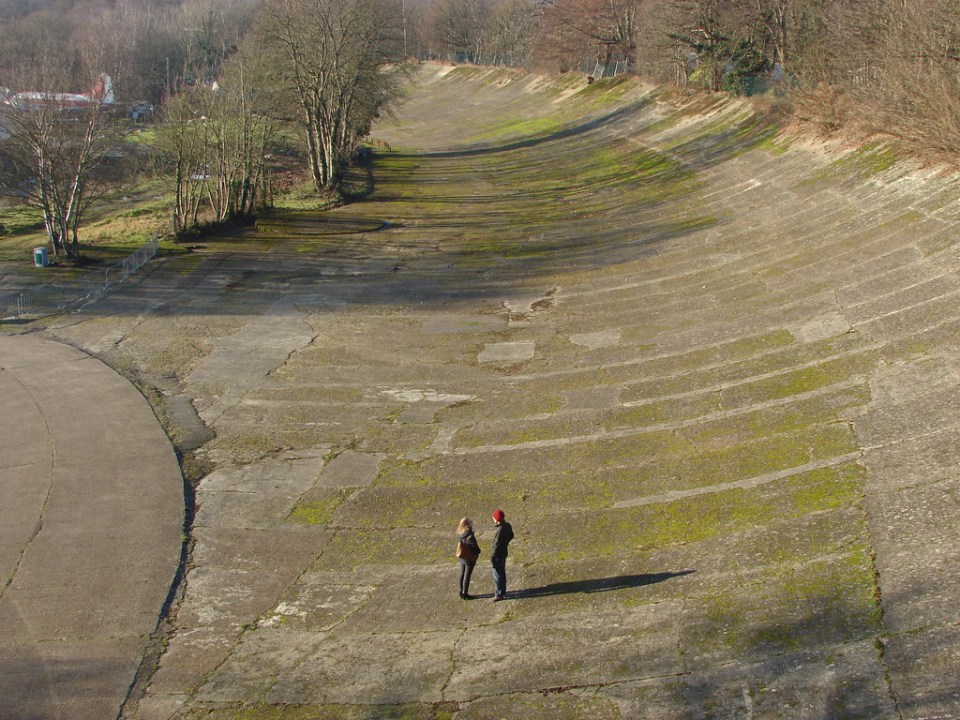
{"x":501,"y":538}
{"x":470,"y":540}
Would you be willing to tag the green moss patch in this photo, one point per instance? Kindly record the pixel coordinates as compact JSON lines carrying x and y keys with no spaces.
{"x":783,"y":360}
{"x":793,"y":607}
{"x":867,"y":161}
{"x":519,"y":432}
{"x":800,"y":381}
{"x":666,"y":411}
{"x":790,"y":417}
{"x":702,"y":358}
{"x":246,"y":443}
{"x":701,"y":517}
{"x":319,"y":507}
{"x":556,"y":705}
{"x":516,"y":128}
{"x":736,"y":462}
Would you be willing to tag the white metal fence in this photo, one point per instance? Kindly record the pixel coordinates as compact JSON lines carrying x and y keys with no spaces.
{"x":57,"y":297}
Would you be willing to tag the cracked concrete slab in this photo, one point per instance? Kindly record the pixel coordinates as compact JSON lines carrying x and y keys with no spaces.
{"x":592,"y":398}
{"x":928,"y":689}
{"x":318,"y":602}
{"x":298,"y":668}
{"x":823,"y":327}
{"x":242,"y":360}
{"x":515,"y":656}
{"x":351,"y":469}
{"x":921,"y":528}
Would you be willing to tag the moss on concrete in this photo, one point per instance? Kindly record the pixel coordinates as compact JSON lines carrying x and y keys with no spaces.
{"x":791,"y":607}
{"x":825,"y":407}
{"x":353,"y":548}
{"x":800,"y":381}
{"x":246,"y":443}
{"x":728,"y":464}
{"x":712,"y":425}
{"x":308,"y":394}
{"x":680,"y":364}
{"x":701,"y":517}
{"x":332,"y":711}
{"x":665,"y":411}
{"x":557,"y":704}
{"x":867,"y":161}
{"x":518,"y":128}
{"x":319,"y":508}
{"x":527,"y":430}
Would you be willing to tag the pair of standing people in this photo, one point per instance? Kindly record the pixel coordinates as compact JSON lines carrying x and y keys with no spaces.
{"x":468,"y":550}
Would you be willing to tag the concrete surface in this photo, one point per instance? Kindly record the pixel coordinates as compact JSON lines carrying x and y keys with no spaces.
{"x":91,"y":526}
{"x":711,"y":375}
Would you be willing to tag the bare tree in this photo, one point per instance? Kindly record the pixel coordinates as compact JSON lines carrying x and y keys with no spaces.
{"x":60,"y":141}
{"x":182,"y":150}
{"x":339,"y":59}
{"x":31,"y":42}
{"x":609,"y":28}
{"x":514,"y":30}
{"x":773,"y":16}
{"x":460,"y":28}
{"x":240,"y":133}
{"x":211,"y":31}
{"x":913,"y":93}
{"x":698,"y":27}
{"x":149,"y":47}
{"x":211,"y":146}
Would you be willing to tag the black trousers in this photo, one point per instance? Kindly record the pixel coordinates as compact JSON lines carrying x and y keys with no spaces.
{"x":466,"y":570}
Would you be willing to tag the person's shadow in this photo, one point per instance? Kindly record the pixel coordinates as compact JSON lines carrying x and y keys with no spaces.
{"x":621,"y":582}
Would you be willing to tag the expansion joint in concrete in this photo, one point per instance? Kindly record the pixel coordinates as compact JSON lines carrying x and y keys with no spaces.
{"x":453,"y":664}
{"x":879,"y":641}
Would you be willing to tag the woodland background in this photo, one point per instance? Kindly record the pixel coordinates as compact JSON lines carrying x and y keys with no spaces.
{"x":889,"y":64}
{"x":325,"y":70}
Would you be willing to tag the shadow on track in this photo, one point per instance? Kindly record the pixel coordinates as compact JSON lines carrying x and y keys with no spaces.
{"x":620,"y":582}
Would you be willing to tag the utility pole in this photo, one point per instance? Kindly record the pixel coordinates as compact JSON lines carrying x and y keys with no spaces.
{"x":403,"y":12}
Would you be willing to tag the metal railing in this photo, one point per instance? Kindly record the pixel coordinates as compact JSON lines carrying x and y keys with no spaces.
{"x":57,"y":297}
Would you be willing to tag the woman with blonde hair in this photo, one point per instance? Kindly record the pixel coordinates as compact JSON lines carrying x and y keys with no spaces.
{"x":468,"y":550}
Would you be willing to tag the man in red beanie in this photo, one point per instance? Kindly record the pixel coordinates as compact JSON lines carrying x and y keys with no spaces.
{"x":498,"y":558}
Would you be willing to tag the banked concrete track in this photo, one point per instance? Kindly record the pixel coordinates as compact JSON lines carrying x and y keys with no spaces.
{"x":710,"y":373}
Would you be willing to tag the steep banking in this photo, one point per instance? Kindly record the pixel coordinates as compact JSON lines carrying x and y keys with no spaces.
{"x":709,"y":373}
{"x":783,"y":314}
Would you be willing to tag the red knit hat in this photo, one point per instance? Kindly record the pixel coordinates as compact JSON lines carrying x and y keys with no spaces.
{"x":498,"y":515}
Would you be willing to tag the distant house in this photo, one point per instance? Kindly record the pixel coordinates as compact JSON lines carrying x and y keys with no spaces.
{"x":100,"y":93}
